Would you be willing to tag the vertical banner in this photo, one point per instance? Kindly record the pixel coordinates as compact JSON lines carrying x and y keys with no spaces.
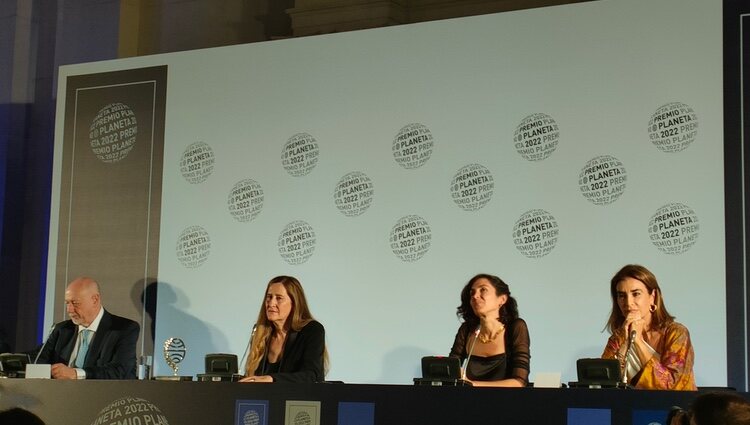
{"x":110,"y":199}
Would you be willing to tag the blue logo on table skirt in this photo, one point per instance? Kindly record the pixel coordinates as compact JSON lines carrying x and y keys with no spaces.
{"x":589,"y":416}
{"x":251,"y":412}
{"x":650,"y":417}
{"x":351,"y":413}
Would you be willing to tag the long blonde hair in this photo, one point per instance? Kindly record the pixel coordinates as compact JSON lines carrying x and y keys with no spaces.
{"x":298,"y":318}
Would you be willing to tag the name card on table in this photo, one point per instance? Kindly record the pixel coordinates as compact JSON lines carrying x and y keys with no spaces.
{"x":38,"y":371}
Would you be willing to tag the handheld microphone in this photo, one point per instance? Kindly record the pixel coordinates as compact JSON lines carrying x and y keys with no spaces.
{"x":46,"y":340}
{"x":471,"y":350}
{"x":631,"y":340}
{"x":249,"y":344}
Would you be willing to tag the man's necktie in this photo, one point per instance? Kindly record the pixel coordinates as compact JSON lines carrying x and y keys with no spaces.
{"x":81,"y":357}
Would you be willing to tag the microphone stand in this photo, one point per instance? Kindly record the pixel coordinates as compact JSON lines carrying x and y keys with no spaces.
{"x":46,"y":340}
{"x":249,"y":344}
{"x":631,"y":340}
{"x":471,"y":350}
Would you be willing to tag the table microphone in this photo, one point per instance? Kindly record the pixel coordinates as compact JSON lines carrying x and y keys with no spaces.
{"x":249,"y":343}
{"x":46,"y":340}
{"x":471,"y":350}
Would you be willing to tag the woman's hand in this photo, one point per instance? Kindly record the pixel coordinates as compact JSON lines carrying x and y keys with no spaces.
{"x":262,"y":378}
{"x":634,"y":322}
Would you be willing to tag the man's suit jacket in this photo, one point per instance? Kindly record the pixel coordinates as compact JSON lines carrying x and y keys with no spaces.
{"x":111,"y":353}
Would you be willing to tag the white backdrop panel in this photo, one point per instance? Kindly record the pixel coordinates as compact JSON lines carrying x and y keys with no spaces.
{"x":600,"y":70}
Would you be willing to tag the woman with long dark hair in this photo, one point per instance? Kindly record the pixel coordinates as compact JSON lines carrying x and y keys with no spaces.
{"x":494,"y":335}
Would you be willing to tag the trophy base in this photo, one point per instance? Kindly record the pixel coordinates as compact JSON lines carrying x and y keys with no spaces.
{"x":173,"y":378}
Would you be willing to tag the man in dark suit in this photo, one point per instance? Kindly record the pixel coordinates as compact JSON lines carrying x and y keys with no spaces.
{"x":93,"y":344}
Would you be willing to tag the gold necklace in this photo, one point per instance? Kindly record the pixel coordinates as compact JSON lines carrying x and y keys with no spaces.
{"x":493,"y":336}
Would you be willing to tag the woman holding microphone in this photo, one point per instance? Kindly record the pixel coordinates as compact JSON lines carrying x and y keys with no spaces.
{"x":661,"y":355}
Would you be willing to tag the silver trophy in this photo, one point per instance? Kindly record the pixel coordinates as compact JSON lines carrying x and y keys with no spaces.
{"x":174,"y":354}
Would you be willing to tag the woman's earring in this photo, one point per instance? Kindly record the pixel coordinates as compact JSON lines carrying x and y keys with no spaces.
{"x":652,"y":308}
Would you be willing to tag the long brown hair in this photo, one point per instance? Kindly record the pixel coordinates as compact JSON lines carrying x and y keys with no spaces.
{"x":659,"y":318}
{"x":298,"y":318}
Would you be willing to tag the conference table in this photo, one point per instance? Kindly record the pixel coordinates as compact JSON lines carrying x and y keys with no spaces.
{"x":193,"y":402}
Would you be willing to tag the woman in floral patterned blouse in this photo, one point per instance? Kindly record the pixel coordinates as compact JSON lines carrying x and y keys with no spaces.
{"x":661,"y":354}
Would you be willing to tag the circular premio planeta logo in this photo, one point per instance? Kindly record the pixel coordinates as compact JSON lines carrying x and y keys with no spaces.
{"x":673,"y":127}
{"x":245,"y":200}
{"x":410,"y":238}
{"x":302,"y":418}
{"x":113,"y":132}
{"x":535,"y":233}
{"x":193,"y":246}
{"x":472,"y":187}
{"x":300,"y":154}
{"x":130,"y":410}
{"x":412,"y":146}
{"x":536,"y":137}
{"x":602,"y":180}
{"x":296,"y":242}
{"x":251,"y":417}
{"x":353,"y":194}
{"x":197,"y":162}
{"x":673,"y":228}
